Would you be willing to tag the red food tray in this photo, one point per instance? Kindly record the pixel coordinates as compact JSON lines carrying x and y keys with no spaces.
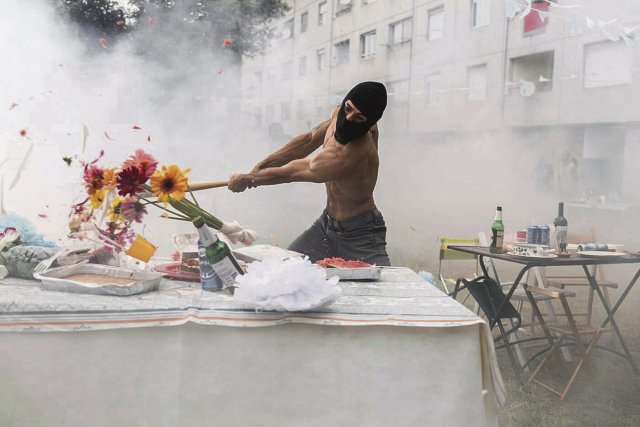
{"x":172,"y":271}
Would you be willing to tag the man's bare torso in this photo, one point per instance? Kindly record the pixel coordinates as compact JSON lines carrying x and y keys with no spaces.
{"x":353,"y":195}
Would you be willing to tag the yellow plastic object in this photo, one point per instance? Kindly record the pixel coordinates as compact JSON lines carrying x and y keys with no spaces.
{"x":141,"y":249}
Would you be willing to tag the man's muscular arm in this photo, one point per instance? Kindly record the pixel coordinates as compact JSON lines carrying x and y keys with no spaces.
{"x":330,"y":164}
{"x":298,"y":148}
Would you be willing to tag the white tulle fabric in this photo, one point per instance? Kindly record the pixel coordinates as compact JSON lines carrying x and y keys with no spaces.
{"x":236,"y":233}
{"x":290,"y":285}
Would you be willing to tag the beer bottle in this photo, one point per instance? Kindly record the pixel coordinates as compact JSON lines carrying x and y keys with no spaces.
{"x":561,"y":224}
{"x":497,"y":232}
{"x":216,"y":254}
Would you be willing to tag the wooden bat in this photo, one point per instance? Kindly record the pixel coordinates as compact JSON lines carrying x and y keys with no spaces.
{"x":207,"y":185}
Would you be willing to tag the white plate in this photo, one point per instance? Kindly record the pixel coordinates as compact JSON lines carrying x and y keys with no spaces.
{"x":601,"y":254}
{"x":547,"y":256}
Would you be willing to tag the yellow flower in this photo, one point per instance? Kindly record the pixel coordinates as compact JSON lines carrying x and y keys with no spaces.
{"x":97,"y":198}
{"x":115,"y":213}
{"x":169,"y":182}
{"x":109,"y":178}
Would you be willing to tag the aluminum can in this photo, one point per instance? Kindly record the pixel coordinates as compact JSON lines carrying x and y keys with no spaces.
{"x":533,"y":234}
{"x":593,"y":247}
{"x":545,"y":233}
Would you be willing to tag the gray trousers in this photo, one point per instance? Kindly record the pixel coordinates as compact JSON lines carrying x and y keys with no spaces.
{"x":359,"y":238}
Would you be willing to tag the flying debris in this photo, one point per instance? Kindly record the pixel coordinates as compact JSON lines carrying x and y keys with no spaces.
{"x":43,"y":215}
{"x":85,"y":135}
{"x":219,"y":71}
{"x":149,"y":20}
{"x":136,"y":127}
{"x":227,"y":42}
{"x":67,"y":160}
{"x":149,"y":138}
{"x":119,"y":22}
{"x":12,"y":106}
{"x":23,"y":132}
{"x":103,"y":42}
{"x":108,"y":136}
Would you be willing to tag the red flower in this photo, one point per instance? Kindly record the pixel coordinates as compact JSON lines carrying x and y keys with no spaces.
{"x":143,"y":161}
{"x":227,"y":42}
{"x":103,"y":42}
{"x":93,"y":178}
{"x":130,"y":181}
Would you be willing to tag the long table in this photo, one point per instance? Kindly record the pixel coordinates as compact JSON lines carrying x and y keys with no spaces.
{"x":394,"y":352}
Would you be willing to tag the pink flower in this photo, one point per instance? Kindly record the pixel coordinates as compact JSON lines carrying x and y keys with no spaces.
{"x":133,"y":210}
{"x":143,"y":161}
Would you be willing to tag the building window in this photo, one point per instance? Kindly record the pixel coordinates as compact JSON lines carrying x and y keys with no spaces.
{"x":268,"y":113}
{"x":286,"y":70}
{"x":607,"y":64}
{"x":304,"y":22}
{"x":322,"y":13}
{"x":302,"y":66}
{"x":320,"y":54}
{"x":341,"y":53}
{"x":285,"y":111}
{"x":480,"y":13}
{"x":400,"y":32}
{"x":432,"y":89}
{"x":477,"y":82}
{"x":398,"y":93}
{"x":343,"y":6}
{"x":300,"y":109}
{"x":536,"y":20}
{"x":368,"y":44}
{"x":536,"y":68}
{"x":435,"y":23}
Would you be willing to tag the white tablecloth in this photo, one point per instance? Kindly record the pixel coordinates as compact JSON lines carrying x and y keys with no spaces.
{"x":395,"y":352}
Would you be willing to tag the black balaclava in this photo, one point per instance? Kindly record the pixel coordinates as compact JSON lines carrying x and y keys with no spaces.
{"x":368,"y":97}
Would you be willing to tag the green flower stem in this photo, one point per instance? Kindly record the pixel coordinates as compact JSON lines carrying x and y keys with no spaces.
{"x":178,"y":218}
{"x":187,"y":208}
{"x":163,"y":208}
{"x":193,"y":196}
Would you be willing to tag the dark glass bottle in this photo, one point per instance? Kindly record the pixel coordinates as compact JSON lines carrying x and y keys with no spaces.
{"x":216,"y":254}
{"x":497,"y":232}
{"x":561,"y":226}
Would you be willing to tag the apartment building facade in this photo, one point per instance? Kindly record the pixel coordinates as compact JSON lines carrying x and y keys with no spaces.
{"x":460,"y":68}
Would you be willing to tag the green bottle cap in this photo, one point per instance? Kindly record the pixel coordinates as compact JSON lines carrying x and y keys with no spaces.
{"x":198,"y":221}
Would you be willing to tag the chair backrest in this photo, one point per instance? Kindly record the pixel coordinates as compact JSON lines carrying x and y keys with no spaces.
{"x":489,"y":296}
{"x":450,"y":254}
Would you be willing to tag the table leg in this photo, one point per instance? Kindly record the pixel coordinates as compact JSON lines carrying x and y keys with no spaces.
{"x":622,"y":297}
{"x":610,"y":318}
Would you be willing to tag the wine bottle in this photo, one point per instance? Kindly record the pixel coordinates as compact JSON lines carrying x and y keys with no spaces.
{"x":216,"y":254}
{"x":561,"y":225}
{"x":497,"y":232}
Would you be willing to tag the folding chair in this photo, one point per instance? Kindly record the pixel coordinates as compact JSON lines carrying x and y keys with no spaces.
{"x":571,"y":330}
{"x":447,"y":254}
{"x":489,"y":296}
{"x":580,"y":280}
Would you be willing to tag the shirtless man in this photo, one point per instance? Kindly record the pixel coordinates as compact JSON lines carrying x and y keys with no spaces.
{"x":350,"y":227}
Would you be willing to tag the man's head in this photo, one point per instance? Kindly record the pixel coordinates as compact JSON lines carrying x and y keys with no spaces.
{"x":361,"y":108}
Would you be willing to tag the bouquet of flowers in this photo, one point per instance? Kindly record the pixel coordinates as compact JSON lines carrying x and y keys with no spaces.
{"x":119,"y":198}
